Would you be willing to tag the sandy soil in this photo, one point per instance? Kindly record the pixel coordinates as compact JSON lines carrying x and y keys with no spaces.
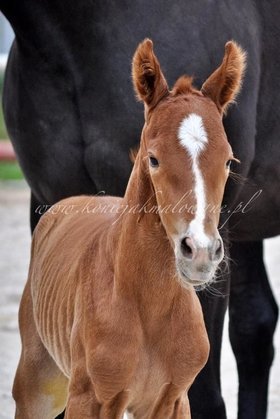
{"x":15,"y":243}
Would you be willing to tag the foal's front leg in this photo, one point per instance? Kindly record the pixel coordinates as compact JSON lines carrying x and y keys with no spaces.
{"x":182,"y":408}
{"x":171,"y":404}
{"x":115,"y":408}
{"x":84,"y":404}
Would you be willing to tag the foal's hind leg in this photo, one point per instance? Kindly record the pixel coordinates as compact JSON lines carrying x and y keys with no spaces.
{"x":40,"y":389}
{"x":253,"y":315}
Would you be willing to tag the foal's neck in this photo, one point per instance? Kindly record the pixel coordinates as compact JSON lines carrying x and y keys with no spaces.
{"x":145,"y":267}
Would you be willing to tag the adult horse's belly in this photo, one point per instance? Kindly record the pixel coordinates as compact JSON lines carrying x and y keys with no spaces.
{"x":257,"y":210}
{"x":81,"y":102}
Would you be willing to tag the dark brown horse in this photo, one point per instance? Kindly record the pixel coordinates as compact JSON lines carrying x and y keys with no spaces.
{"x":72,"y":118}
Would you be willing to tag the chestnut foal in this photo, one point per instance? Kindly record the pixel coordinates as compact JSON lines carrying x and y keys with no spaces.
{"x":109,"y":318}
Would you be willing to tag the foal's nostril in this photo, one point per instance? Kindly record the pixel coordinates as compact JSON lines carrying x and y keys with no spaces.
{"x":218,"y":249}
{"x":186,"y":248}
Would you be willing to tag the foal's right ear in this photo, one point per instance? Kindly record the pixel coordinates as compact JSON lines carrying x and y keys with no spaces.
{"x":224,"y":84}
{"x":149,"y":82}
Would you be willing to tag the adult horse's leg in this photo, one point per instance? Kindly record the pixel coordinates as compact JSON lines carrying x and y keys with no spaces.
{"x":205,"y":394}
{"x":253,"y":316}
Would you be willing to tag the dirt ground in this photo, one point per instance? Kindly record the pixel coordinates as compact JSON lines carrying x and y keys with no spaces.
{"x":14,"y":257}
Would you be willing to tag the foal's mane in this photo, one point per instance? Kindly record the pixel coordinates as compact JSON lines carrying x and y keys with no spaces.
{"x":184,"y":85}
{"x":133,"y":154}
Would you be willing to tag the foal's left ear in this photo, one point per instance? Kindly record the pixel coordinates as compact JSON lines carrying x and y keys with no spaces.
{"x":148,"y":80}
{"x":224,"y":84}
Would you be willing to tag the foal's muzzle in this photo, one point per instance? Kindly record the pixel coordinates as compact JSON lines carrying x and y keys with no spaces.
{"x":196,"y":264}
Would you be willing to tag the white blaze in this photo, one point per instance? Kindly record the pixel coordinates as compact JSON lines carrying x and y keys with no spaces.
{"x":193,"y":138}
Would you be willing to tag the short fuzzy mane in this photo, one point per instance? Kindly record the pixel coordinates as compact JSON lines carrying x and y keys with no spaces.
{"x":183,"y":86}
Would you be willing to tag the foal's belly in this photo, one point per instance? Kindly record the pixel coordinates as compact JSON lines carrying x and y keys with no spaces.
{"x":54,"y":328}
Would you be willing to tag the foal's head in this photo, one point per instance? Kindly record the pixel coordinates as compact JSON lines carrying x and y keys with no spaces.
{"x":185,"y":152}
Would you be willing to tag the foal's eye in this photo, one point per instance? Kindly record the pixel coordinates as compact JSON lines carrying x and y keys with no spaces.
{"x":228,"y":163}
{"x":153,"y":161}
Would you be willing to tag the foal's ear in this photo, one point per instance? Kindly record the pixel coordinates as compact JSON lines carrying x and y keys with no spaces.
{"x":224,"y":84}
{"x":149,"y":82}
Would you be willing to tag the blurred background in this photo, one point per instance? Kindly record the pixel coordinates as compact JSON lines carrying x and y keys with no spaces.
{"x":14,"y":258}
{"x":9,"y":168}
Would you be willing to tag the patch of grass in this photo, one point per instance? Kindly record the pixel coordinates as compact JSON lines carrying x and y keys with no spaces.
{"x":2,"y":74}
{"x":3,"y":131}
{"x":10,"y":171}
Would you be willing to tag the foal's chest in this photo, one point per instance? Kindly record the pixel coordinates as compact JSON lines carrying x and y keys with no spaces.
{"x":175,"y":355}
